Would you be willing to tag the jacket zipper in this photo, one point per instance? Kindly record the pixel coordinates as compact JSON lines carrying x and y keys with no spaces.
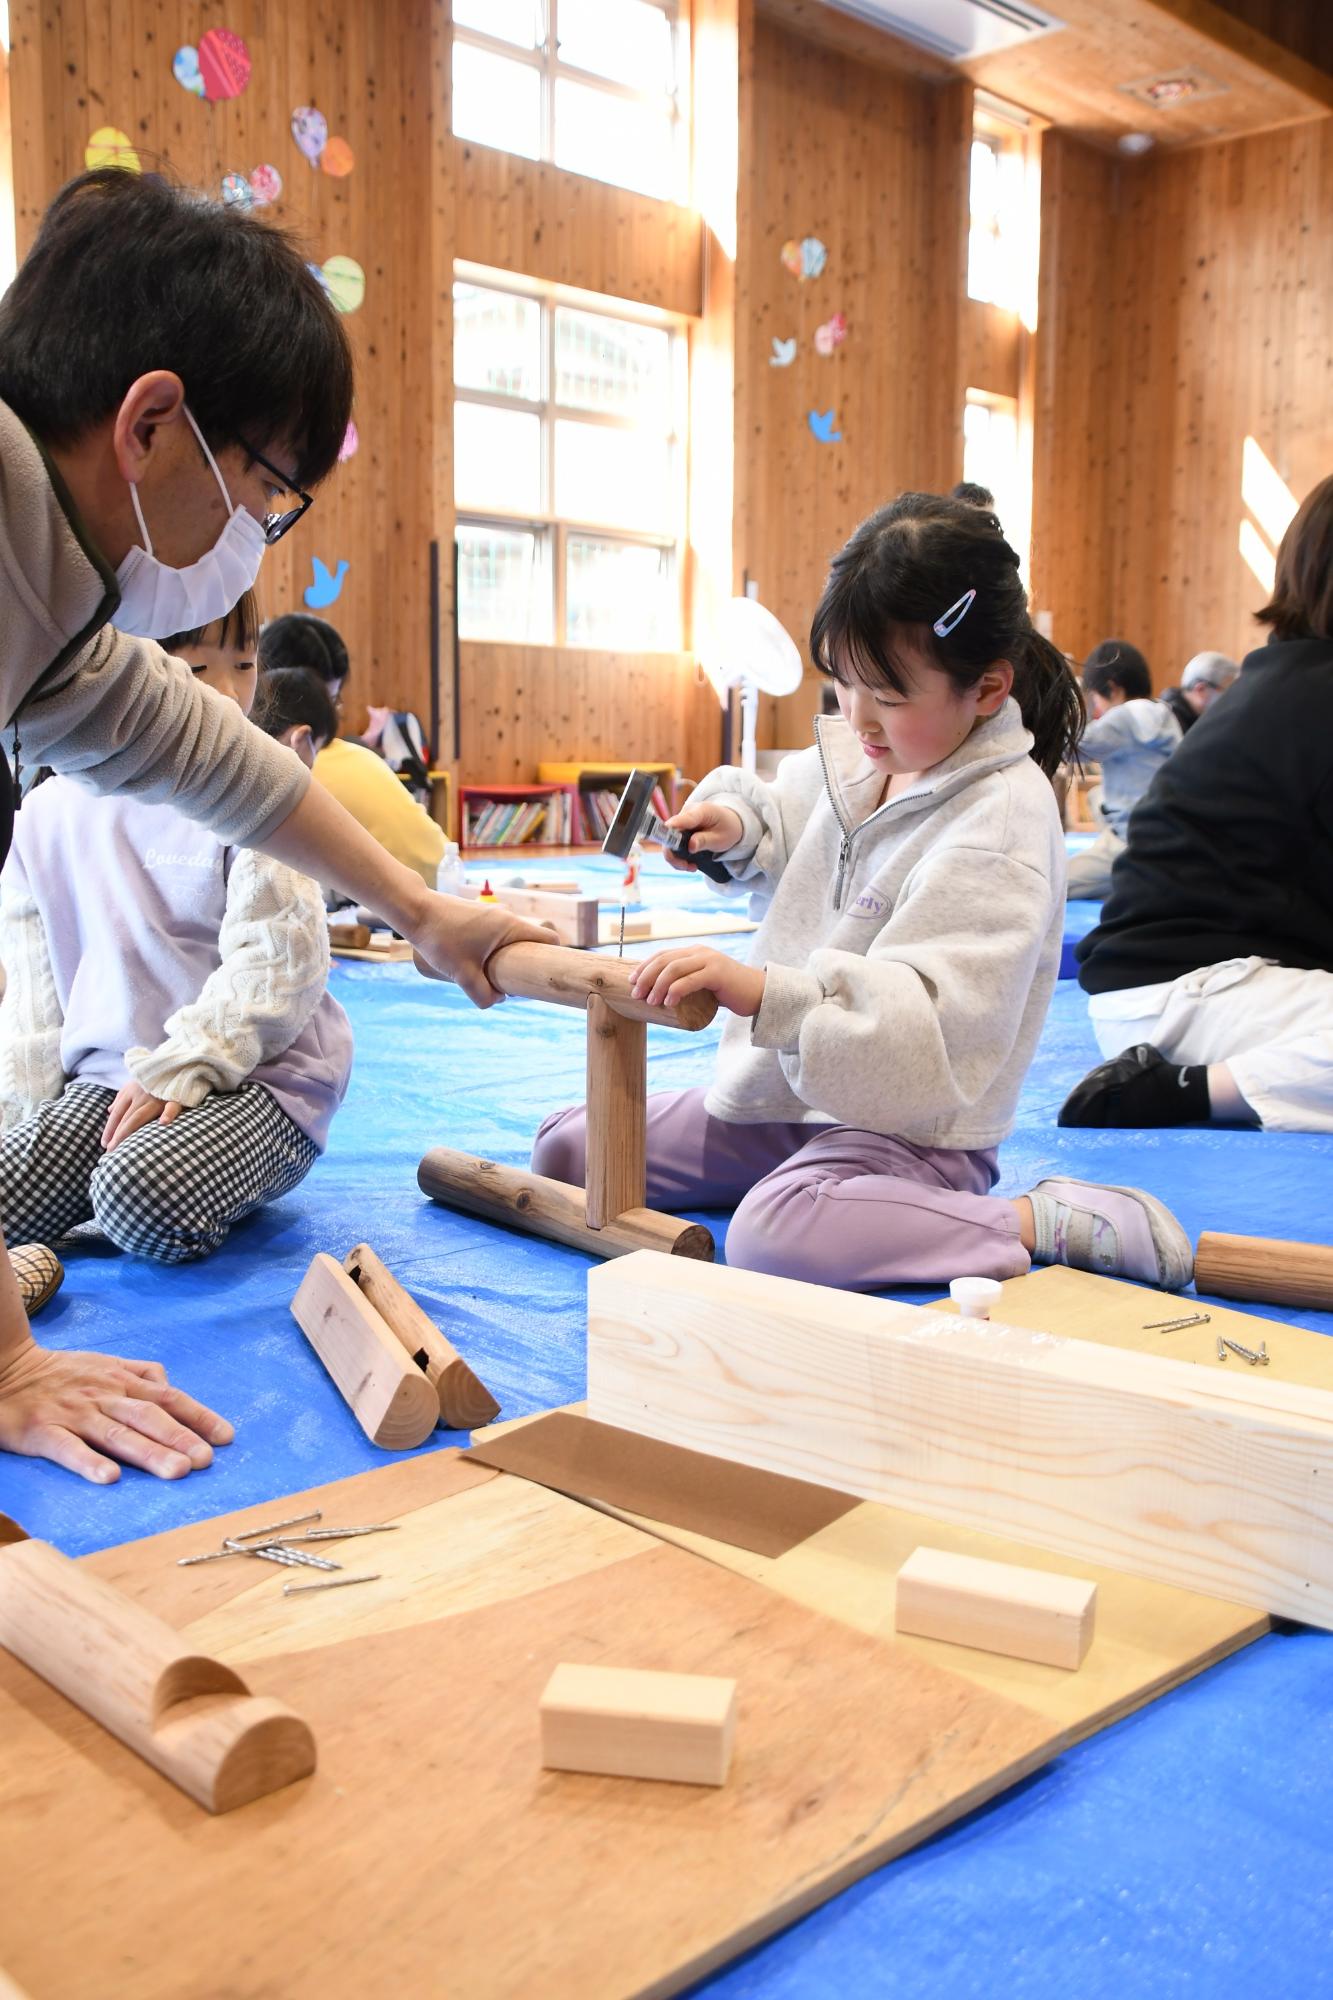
{"x":850,"y":834}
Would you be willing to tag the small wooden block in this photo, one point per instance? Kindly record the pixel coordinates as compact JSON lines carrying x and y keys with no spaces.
{"x":638,"y":926}
{"x":351,"y":937}
{"x":1031,"y":1614}
{"x":393,"y":1401}
{"x":572,"y":918}
{"x":622,"y":1722}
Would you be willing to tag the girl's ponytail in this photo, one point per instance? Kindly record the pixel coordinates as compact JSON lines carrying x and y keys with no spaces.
{"x":1050,"y":699}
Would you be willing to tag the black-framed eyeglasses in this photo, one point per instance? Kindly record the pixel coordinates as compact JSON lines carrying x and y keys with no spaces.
{"x":277,"y":523}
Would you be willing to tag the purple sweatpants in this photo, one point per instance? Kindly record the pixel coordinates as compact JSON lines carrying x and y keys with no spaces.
{"x":821,"y":1202}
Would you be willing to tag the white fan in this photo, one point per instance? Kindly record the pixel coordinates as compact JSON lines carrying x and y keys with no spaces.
{"x":749,"y":649}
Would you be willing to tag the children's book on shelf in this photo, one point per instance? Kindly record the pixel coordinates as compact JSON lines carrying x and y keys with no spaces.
{"x":599,"y":809}
{"x":509,"y":822}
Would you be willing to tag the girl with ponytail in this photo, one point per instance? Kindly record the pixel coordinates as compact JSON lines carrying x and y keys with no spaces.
{"x":911,"y":873}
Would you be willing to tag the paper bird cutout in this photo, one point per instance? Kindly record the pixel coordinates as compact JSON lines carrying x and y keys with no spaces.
{"x":821,"y":423}
{"x":325,"y":589}
{"x":784,"y":353}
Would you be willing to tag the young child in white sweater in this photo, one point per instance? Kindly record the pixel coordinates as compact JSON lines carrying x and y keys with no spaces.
{"x":170,"y":1057}
{"x":911,"y":868}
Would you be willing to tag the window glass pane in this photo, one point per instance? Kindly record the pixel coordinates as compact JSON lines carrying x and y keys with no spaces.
{"x":618,"y":477}
{"x":626,"y":40}
{"x":497,"y":459}
{"x":503,"y":588}
{"x":991,"y":459}
{"x":497,"y":342}
{"x":620,"y":594}
{"x":497,"y":102}
{"x":519,"y":21}
{"x":614,"y":365}
{"x":614,"y":139}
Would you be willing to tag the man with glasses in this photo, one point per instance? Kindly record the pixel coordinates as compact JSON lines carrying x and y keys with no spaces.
{"x":172,"y":381}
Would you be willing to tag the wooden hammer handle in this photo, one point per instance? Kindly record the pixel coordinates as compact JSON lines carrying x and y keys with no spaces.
{"x":556,"y":973}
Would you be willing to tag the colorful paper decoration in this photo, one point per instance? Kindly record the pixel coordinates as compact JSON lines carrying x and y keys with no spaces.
{"x":237,"y":192}
{"x":805,"y":259}
{"x":185,"y":69}
{"x":821,"y":424}
{"x":110,"y":147}
{"x":337,"y":158}
{"x":348,"y":448}
{"x":325,"y":589}
{"x":224,"y":64}
{"x":784,"y":352}
{"x":310,"y":129}
{"x":830,"y":336}
{"x":265,"y":185}
{"x":346,"y":282}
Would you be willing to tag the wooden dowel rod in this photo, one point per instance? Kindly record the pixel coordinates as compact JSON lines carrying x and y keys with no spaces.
{"x":1265,"y":1268}
{"x":552,"y":1208}
{"x":615,"y":1174}
{"x":566,"y":978}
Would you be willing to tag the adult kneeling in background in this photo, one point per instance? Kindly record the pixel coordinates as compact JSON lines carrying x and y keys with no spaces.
{"x":1211,"y":972}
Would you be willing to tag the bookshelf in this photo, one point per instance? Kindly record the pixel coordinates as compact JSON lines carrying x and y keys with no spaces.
{"x":513,"y":816}
{"x":599,"y":785}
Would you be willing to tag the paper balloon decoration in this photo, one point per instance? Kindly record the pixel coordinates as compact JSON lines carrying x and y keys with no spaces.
{"x":337,"y":158}
{"x":237,"y":192}
{"x":224,"y":64}
{"x":830,"y":336}
{"x":265,"y":185}
{"x":348,"y":448}
{"x":310,"y":129}
{"x":185,"y":69}
{"x":805,"y":259}
{"x":109,"y":147}
{"x":346,"y":282}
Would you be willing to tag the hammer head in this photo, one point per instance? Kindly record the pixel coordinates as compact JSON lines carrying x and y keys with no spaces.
{"x":634,"y":818}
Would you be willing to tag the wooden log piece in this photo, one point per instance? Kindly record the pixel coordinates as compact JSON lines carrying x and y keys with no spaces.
{"x":1265,"y":1268}
{"x":616,"y":1172}
{"x":186,"y":1714}
{"x":1000,"y":1607}
{"x":552,"y":1208}
{"x":572,"y":918}
{"x":622,"y":1722}
{"x":394,"y":1402}
{"x":565,"y":978}
{"x":349,"y":937}
{"x":465,"y":1401}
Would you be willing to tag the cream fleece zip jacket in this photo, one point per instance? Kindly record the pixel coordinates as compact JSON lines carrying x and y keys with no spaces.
{"x":87,"y":699}
{"x":910,"y":948}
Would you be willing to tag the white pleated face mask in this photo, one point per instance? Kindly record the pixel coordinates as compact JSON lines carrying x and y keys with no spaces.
{"x":157,"y":600}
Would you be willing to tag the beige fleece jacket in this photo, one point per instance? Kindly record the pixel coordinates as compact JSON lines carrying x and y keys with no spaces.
{"x":910,"y":948}
{"x":89,"y":700}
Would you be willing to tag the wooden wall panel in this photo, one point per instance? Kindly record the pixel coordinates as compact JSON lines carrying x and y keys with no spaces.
{"x":89,"y":63}
{"x":536,"y":219}
{"x":522,"y":704}
{"x":1303,"y":26}
{"x":873,"y":163}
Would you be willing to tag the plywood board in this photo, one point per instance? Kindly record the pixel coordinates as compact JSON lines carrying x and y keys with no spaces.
{"x":429,"y":1836}
{"x":667,"y":924}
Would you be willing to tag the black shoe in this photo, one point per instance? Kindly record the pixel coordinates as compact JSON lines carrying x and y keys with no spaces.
{"x":1139,"y":1087}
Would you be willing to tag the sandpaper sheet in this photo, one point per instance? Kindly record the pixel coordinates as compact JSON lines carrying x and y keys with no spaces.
{"x":761,"y":1511}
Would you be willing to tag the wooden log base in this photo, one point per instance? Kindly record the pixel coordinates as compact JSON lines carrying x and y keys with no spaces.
{"x":465,"y":1401}
{"x":1266,"y":1269}
{"x":395,"y":1403}
{"x":553,"y":1209}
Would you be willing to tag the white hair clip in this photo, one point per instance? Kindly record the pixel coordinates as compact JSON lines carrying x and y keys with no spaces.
{"x":954,"y":616}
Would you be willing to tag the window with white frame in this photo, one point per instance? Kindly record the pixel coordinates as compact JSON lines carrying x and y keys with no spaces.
{"x":569,"y":477}
{"x":592,"y":85}
{"x":992,"y":457}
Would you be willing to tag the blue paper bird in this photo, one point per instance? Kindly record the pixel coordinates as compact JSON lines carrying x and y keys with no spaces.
{"x":821,"y":423}
{"x":325,"y":589}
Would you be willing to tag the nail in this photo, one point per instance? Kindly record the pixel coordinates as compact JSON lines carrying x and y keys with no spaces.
{"x":334,"y":1583}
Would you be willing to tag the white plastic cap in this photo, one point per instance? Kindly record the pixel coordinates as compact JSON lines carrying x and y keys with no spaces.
{"x":974,"y":1297}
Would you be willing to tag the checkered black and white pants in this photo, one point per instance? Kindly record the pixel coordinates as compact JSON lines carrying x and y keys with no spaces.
{"x":168,"y":1191}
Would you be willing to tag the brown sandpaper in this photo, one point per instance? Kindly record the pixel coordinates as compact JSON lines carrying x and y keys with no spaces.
{"x":762,"y":1511}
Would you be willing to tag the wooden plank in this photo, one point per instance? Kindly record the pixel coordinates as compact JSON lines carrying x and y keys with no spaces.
{"x":379,"y":1870}
{"x":997,"y":1607}
{"x":1197,"y":1479}
{"x":616,"y":1170}
{"x":572,"y":918}
{"x":623,"y":1722}
{"x":662,"y":926}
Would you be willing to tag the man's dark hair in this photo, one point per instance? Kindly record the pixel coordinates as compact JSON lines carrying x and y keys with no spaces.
{"x":291,"y":696}
{"x":298,"y":640}
{"x":130,"y":273}
{"x":1301,"y":606}
{"x":1117,"y":664}
{"x":975,"y":496}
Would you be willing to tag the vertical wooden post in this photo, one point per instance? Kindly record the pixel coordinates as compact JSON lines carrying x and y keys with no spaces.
{"x":617,"y":1171}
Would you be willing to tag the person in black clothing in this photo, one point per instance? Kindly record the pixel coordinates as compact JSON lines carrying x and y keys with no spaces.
{"x":1211,"y":972}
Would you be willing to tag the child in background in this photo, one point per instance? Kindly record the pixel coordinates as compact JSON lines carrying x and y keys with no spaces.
{"x":170,"y":1058}
{"x":361,"y":782}
{"x":912,"y":865}
{"x":295,"y":707}
{"x":1130,"y":736}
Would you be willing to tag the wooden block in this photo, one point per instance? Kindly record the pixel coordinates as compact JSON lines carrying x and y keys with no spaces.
{"x":624,"y":1723}
{"x":465,"y":1401}
{"x":1031,"y":1614}
{"x":351,"y":937}
{"x":638,"y":926}
{"x":391,"y":1398}
{"x":1218,"y":1483}
{"x":616,"y":1169}
{"x":1265,"y":1268}
{"x":551,"y":1208}
{"x":189,"y":1716}
{"x":572,"y":918}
